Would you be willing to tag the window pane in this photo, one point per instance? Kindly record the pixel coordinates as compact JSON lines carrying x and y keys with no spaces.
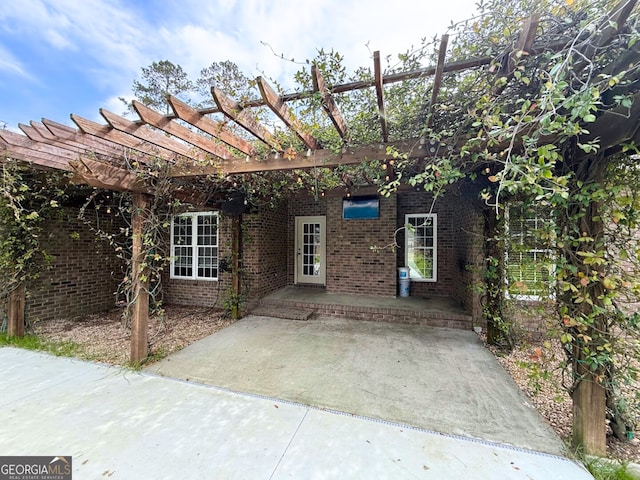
{"x":530,"y":263}
{"x":194,"y":241}
{"x":420,"y":245}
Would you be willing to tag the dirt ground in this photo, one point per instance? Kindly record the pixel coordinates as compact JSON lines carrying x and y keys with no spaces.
{"x":102,"y":338}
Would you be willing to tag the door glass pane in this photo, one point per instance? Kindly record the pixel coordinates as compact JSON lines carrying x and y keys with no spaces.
{"x":311,"y":249}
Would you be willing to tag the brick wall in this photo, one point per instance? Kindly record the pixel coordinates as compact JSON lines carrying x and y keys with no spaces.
{"x":263,"y":262}
{"x":84,"y":274}
{"x":468,"y":228}
{"x":459,"y":246}
{"x":420,"y":202}
{"x":265,"y":251}
{"x":352,"y":267}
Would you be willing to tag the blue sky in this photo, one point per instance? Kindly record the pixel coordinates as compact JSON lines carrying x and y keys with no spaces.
{"x":59,"y":57}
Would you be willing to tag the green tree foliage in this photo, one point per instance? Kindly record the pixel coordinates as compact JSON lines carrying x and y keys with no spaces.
{"x":523,"y":122}
{"x":159,"y":80}
{"x":228,"y":77}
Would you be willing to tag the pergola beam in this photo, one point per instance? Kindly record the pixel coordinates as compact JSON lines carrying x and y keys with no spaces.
{"x":216,"y":129}
{"x":276,"y":104}
{"x":109,"y":176}
{"x":157,"y":120}
{"x":244,"y":118}
{"x":437,"y":79}
{"x":377,"y":74}
{"x":328,"y":103}
{"x":608,"y":29}
{"x":320,"y":158}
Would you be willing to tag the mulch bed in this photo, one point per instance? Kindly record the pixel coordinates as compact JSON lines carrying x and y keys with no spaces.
{"x":104,"y":338}
{"x":526,"y":363}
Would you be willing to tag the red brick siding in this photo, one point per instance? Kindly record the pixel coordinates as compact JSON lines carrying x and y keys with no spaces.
{"x":459,"y":246}
{"x":469,"y":255}
{"x":84,"y":274}
{"x":352,"y":267}
{"x":265,"y":251}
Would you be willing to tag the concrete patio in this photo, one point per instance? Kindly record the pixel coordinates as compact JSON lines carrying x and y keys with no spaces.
{"x":432,"y":378}
{"x":119,"y":424}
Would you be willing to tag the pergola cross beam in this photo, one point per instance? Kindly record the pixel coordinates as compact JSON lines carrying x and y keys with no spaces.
{"x":153,"y":118}
{"x":328,"y":102}
{"x":276,"y":104}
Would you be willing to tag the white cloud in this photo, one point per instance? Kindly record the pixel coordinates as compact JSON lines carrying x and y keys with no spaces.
{"x":12,"y":66}
{"x":106,"y":42}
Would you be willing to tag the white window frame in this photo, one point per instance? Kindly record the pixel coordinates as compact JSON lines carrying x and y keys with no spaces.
{"x":195,"y":254}
{"x":434,"y":248}
{"x":535,"y":252}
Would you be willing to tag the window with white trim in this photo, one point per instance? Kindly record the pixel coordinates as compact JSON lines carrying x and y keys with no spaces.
{"x":530,"y":263}
{"x":421,"y":252}
{"x":194,"y":246}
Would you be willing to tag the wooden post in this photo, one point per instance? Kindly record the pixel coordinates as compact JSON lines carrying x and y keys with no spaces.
{"x":15,"y":311}
{"x":589,"y":396}
{"x":494,"y":277}
{"x":140,"y":308}
{"x":589,"y":407}
{"x":236,"y":235}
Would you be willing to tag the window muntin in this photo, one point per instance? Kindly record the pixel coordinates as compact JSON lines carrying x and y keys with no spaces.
{"x":530,"y":263}
{"x":421,"y":246}
{"x":194,"y":246}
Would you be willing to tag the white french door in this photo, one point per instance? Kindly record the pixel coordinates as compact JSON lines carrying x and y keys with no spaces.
{"x":310,"y":250}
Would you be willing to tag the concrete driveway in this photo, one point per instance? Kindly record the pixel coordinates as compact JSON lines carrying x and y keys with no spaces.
{"x":120,"y":425}
{"x":438,"y":379}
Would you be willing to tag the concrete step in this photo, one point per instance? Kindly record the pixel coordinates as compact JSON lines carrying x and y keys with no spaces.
{"x":286,"y":312}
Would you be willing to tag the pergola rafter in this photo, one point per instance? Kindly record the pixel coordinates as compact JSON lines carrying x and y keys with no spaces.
{"x":244,"y":118}
{"x":145,"y":133}
{"x":276,"y":104}
{"x":328,"y":102}
{"x":110,"y":134}
{"x":382,"y":114}
{"x":72,"y":136}
{"x":215,"y":129}
{"x":156,"y":120}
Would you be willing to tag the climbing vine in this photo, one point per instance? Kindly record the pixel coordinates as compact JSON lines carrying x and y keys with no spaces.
{"x":28,"y":199}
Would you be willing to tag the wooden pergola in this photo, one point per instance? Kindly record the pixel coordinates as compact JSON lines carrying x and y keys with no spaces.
{"x":194,"y":144}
